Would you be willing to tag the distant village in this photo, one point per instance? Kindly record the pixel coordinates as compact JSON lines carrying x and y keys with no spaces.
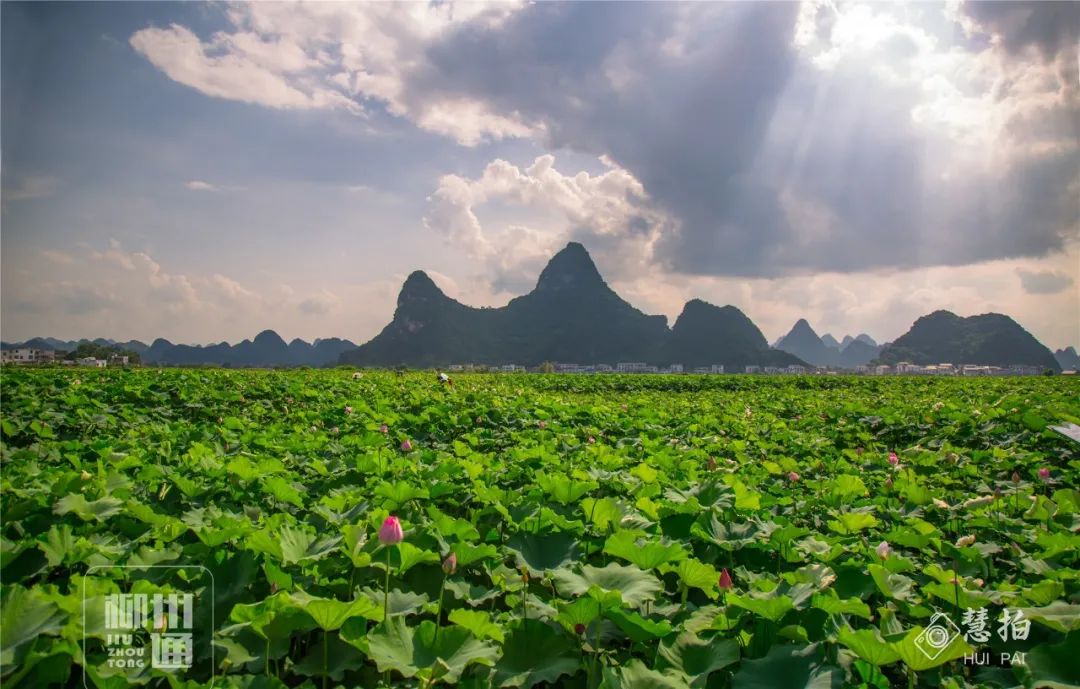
{"x":902,"y":368}
{"x":29,"y":355}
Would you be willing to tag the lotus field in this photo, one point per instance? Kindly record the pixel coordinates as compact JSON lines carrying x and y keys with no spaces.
{"x":330,"y":528}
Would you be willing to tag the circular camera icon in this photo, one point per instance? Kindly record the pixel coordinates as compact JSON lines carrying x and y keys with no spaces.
{"x":937,"y":636}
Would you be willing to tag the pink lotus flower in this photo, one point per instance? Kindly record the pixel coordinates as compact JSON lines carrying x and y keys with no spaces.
{"x":348,"y":410}
{"x":1044,"y":474}
{"x":725,"y":583}
{"x":793,"y":477}
{"x":893,"y":459}
{"x":591,"y":440}
{"x":406,"y":446}
{"x":883,"y":550}
{"x":391,"y":533}
{"x":449,"y":565}
{"x":383,"y":429}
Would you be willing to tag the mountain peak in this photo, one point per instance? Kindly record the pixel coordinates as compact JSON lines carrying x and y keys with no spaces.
{"x":268,"y":337}
{"x":418,"y":287}
{"x":571,"y":268}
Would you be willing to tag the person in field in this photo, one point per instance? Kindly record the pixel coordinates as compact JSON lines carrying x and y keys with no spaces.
{"x":444,"y":379}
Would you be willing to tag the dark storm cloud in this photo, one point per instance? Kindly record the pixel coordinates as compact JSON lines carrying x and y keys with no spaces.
{"x":769,"y":165}
{"x":1052,"y":27}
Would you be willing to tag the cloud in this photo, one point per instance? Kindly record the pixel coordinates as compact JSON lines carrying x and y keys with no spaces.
{"x":1044,"y":281}
{"x":199,"y":185}
{"x":321,"y":303}
{"x":29,"y":187}
{"x":773,"y":139}
{"x":542,"y":209}
{"x":1051,"y":27}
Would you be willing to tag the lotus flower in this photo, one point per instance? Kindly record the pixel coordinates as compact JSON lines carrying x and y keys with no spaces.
{"x":883,"y":550}
{"x":391,"y":533}
{"x":592,"y":440}
{"x":348,"y":410}
{"x":793,"y":477}
{"x":893,"y":459}
{"x":965,"y":541}
{"x":449,"y":565}
{"x":383,"y":429}
{"x":1044,"y":474}
{"x":406,"y":445}
{"x":725,"y":583}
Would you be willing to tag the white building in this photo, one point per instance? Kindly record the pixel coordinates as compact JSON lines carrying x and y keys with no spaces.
{"x":511,"y":368}
{"x":753,"y":369}
{"x":882,"y":370}
{"x":716,"y":368}
{"x":796,"y":369}
{"x":27,"y":355}
{"x":92,"y":362}
{"x":635,"y":367}
{"x":118,"y":360}
{"x":676,"y":368}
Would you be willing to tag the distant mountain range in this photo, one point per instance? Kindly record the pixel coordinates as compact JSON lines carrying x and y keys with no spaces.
{"x":574,"y":317}
{"x":1068,"y":359}
{"x":991,"y":339}
{"x":803,"y":342}
{"x":267,"y":349}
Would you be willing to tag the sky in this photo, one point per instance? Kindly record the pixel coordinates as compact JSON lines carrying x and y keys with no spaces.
{"x":202,"y":172}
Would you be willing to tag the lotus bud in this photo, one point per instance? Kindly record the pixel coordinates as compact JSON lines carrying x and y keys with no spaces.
{"x":579,"y":629}
{"x":888,"y":483}
{"x":449,"y":565}
{"x":793,"y":477}
{"x":893,"y":459}
{"x":85,"y":475}
{"x":1044,"y":474}
{"x":1016,"y":477}
{"x":725,"y":583}
{"x":348,"y":409}
{"x":541,"y":424}
{"x":383,"y":429}
{"x":711,"y":464}
{"x":406,"y":445}
{"x":391,"y":533}
{"x":883,"y":550}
